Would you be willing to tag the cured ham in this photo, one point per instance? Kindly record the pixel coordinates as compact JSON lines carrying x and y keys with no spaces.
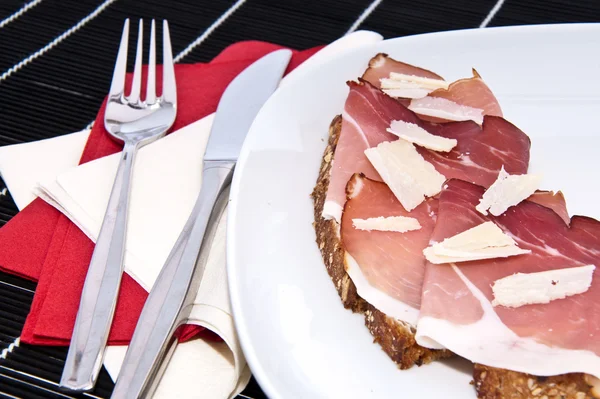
{"x":478,"y":156}
{"x":488,"y":304}
{"x":541,"y":339}
{"x":366,"y":116}
{"x":382,"y":65}
{"x":471,"y":92}
{"x":480,"y":152}
{"x":464,"y":99}
{"x":387,"y":277}
{"x":554,"y":201}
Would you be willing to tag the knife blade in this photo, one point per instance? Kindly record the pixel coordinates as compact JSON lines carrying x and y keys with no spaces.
{"x":171,"y":299}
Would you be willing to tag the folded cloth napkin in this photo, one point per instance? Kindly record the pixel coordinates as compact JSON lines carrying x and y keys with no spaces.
{"x":52,"y":156}
{"x":212,"y":302}
{"x":167,"y":177}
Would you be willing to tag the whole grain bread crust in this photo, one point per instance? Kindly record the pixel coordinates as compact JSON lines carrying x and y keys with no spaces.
{"x":494,"y":383}
{"x":397,"y":339}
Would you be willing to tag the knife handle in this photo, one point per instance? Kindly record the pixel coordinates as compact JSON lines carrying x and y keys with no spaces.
{"x":101,"y":287}
{"x":171,"y":299}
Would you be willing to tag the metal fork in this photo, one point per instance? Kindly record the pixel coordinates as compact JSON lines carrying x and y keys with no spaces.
{"x":135,"y":123}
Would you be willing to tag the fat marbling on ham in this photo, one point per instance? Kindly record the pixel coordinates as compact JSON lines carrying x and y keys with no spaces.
{"x":368,"y":112}
{"x":541,"y":339}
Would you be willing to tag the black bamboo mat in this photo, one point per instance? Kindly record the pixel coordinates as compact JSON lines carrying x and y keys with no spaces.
{"x":41,"y":78}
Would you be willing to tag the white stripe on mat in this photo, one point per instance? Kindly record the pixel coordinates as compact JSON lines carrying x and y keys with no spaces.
{"x":19,"y":12}
{"x":364,"y":15}
{"x":209,"y":30}
{"x":10,"y":348}
{"x":492,"y":13}
{"x":15,"y":68}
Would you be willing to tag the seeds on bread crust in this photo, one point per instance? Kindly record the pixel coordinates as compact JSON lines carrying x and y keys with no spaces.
{"x":494,"y":383}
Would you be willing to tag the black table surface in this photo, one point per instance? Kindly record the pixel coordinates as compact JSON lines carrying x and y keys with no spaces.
{"x":52,"y":50}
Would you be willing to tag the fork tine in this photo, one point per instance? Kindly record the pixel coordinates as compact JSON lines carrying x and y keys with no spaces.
{"x":134,"y":96}
{"x":169,"y":91}
{"x":151,"y":84}
{"x":117,"y":85}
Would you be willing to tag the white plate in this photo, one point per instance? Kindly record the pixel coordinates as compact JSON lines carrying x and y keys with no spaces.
{"x":298,"y":339}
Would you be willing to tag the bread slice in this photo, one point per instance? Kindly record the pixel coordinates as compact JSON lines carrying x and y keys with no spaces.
{"x":493,"y":383}
{"x":397,"y":338}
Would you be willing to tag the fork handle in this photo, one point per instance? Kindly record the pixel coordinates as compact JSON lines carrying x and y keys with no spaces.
{"x":101,"y":287}
{"x":171,"y":299}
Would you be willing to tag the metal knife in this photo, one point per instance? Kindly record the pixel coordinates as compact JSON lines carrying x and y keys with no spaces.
{"x":171,"y":299}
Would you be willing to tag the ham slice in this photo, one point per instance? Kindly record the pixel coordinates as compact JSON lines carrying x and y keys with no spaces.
{"x":368,"y":112}
{"x":542,"y":339}
{"x":552,"y":200}
{"x":387,"y":277}
{"x":471,"y":92}
{"x":382,"y":65}
{"x":468,"y":98}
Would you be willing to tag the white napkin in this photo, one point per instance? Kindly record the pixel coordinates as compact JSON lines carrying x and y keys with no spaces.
{"x":50,"y":157}
{"x":166,"y":182}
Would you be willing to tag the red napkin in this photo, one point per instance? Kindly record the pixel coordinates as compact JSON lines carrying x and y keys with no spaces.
{"x":41,"y":244}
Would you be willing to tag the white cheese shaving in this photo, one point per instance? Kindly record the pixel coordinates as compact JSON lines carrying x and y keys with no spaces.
{"x":539,"y":288}
{"x":424,"y":82}
{"x":421,"y":137}
{"x":409,"y":91}
{"x":399,"y":224}
{"x":485,"y":241}
{"x":445,"y":109}
{"x":486,"y":234}
{"x":410,"y":177}
{"x":410,"y":86}
{"x":507,"y":190}
{"x":436,"y":257}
